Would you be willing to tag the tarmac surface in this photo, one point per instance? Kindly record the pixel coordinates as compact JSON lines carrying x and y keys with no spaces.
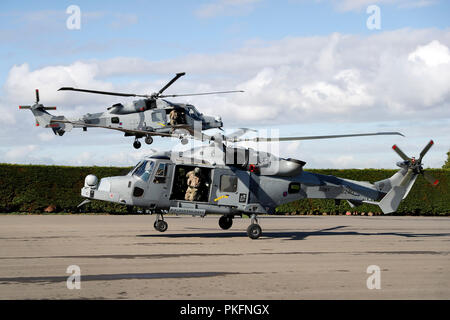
{"x":303,"y":257}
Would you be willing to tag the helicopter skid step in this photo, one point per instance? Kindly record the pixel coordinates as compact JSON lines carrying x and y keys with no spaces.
{"x":187,"y":211}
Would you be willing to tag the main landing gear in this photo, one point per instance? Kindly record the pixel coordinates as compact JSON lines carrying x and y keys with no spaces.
{"x":137,"y":143}
{"x":225,"y":222}
{"x":254,"y":231}
{"x":160,"y":224}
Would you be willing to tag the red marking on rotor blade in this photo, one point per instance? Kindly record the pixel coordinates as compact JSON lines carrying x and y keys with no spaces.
{"x":431,"y":142}
{"x":394,"y":147}
{"x":436,"y":182}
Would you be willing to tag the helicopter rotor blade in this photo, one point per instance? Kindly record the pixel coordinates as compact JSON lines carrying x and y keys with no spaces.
{"x":104,"y":92}
{"x":400,"y":152}
{"x":430,"y":178}
{"x":425,"y":150}
{"x":178,"y":75}
{"x":197,"y":94}
{"x":317,"y":137}
{"x":239,"y":132}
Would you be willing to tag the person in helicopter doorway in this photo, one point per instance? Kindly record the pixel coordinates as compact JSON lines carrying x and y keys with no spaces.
{"x":194,"y":183}
{"x":174,"y":117}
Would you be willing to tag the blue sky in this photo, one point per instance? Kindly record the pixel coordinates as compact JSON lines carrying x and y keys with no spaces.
{"x":287,"y":55}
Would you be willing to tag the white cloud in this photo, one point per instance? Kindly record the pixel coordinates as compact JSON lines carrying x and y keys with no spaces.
{"x":432,"y":54}
{"x":20,"y":153}
{"x":46,"y":136}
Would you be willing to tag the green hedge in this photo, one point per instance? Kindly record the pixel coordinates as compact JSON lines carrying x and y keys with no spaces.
{"x":33,"y":188}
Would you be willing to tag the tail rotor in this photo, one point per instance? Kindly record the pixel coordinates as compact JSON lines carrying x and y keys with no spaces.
{"x":37,"y":105}
{"x":414,"y":165}
{"x":40,"y":112}
{"x":397,"y":187}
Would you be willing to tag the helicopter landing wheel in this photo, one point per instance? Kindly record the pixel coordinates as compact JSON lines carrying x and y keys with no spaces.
{"x":225,"y":222}
{"x":136,"y":144}
{"x":148,"y":140}
{"x":161,"y":225}
{"x":254,"y":231}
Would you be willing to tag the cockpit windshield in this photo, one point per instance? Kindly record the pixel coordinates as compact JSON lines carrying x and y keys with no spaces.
{"x":192,"y":111}
{"x":144,"y":169}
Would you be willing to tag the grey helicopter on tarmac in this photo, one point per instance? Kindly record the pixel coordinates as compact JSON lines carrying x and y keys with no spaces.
{"x":143,"y":118}
{"x":231,"y":181}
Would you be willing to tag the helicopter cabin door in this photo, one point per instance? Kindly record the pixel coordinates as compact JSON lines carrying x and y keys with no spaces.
{"x":230,"y":187}
{"x":158,"y":185}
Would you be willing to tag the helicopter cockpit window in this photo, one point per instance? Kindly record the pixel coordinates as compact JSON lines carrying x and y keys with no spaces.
{"x":228,"y":183}
{"x":144,"y":170}
{"x":192,"y":112}
{"x":160,"y":175}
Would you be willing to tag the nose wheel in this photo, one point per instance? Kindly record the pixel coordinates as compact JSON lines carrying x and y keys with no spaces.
{"x":136,"y":144}
{"x":225,"y":222}
{"x":160,"y":225}
{"x":254,"y":231}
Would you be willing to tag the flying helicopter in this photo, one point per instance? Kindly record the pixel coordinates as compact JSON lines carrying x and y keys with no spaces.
{"x":144,"y":118}
{"x":228,"y":180}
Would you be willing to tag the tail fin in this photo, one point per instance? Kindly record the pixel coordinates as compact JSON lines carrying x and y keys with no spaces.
{"x":398,"y":186}
{"x":45,"y":119}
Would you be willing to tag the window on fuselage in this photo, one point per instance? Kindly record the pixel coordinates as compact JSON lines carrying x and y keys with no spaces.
{"x":160,"y":175}
{"x":144,"y":171}
{"x":193,"y":112}
{"x":294,"y":187}
{"x":228,"y":183}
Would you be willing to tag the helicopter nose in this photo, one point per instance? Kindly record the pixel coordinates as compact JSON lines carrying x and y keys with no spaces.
{"x":91,"y":181}
{"x":107,"y":189}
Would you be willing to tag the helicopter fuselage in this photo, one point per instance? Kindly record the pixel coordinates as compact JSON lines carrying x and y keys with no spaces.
{"x":153,"y":117}
{"x":158,"y":183}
